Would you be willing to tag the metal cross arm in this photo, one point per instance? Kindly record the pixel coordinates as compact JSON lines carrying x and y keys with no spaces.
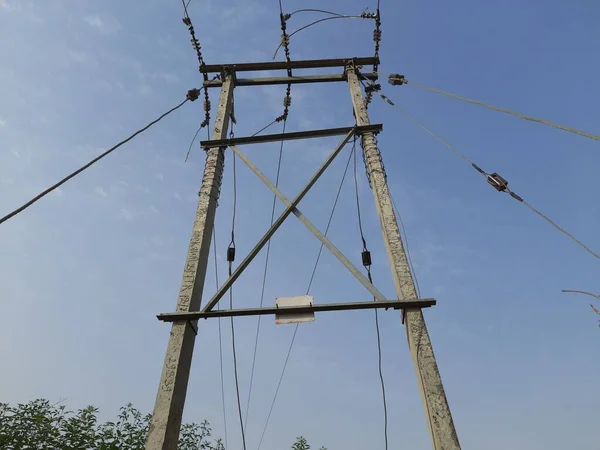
{"x":313,"y":229}
{"x":309,"y":134}
{"x":350,"y":306}
{"x":248,"y":259}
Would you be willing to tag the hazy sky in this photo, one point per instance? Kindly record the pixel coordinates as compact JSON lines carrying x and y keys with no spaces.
{"x":84,"y":272}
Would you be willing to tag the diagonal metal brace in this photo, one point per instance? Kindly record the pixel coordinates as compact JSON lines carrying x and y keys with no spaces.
{"x":314,"y":230}
{"x":284,"y":215}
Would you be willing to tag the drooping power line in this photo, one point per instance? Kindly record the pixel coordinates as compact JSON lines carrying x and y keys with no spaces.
{"x":493,"y":179}
{"x":192,"y":95}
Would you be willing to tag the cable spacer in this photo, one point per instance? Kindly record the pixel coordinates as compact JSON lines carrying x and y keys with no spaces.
{"x":497,"y":182}
{"x":231,"y":254}
{"x":366,"y":258}
{"x":193,"y":94}
{"x":396,"y":79}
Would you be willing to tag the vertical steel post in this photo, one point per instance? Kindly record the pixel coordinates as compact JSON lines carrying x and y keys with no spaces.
{"x":439,"y":418}
{"x":168,"y":409}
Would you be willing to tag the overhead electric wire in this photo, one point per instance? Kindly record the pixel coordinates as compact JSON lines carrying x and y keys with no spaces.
{"x":310,"y":25}
{"x":89,"y":164}
{"x":264,"y":280}
{"x":220,"y":340}
{"x":367,"y":266}
{"x":406,"y":246}
{"x":287,"y":357}
{"x":486,"y":174}
{"x":507,"y":111}
{"x":230,"y":258}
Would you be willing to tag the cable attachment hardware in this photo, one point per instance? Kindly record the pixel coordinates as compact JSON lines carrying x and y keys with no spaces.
{"x":396,"y":79}
{"x":366,"y":258}
{"x":370,"y":88}
{"x":231,"y":254}
{"x":377,"y":36}
{"x":287,"y":16}
{"x":193,"y":94}
{"x":497,"y":182}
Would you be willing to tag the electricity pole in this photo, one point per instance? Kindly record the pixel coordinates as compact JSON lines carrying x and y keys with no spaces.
{"x":168,"y":409}
{"x":170,"y":400}
{"x":439,"y":418}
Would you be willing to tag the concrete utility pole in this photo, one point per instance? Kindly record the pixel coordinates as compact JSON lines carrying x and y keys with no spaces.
{"x":168,"y":410}
{"x":170,"y":400}
{"x":439,"y":418}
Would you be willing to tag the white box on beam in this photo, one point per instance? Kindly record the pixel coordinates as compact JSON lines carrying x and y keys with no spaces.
{"x":294,"y":317}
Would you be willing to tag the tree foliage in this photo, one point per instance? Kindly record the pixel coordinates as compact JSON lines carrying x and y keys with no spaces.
{"x":302,"y":444}
{"x":42,"y":425}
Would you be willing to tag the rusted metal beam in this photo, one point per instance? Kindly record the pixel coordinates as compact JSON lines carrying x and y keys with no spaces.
{"x":350,"y":306}
{"x":326,"y":132}
{"x":283,"y":65}
{"x":265,"y":81}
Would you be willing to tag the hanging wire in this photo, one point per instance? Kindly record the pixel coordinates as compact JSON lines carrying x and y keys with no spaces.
{"x":191,"y":96}
{"x":366,"y":258}
{"x":507,"y":111}
{"x":220,"y":339}
{"x":230,"y":260}
{"x":264,"y":279}
{"x":293,"y":340}
{"x":406,"y":246}
{"x":492,"y":178}
{"x":281,"y":44}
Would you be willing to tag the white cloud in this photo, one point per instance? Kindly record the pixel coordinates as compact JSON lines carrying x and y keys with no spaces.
{"x":126,"y":214}
{"x":98,"y":190}
{"x":105,"y":24}
{"x":81,"y":57}
{"x":2,"y":122}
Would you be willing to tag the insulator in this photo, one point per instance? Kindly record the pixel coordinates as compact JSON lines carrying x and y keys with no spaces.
{"x":478,"y":169}
{"x":287,"y":16}
{"x":366,"y":258}
{"x":206,"y":105}
{"x":193,"y":94}
{"x":377,"y":35}
{"x":285,"y":39}
{"x":187,"y":21}
{"x":497,"y":182}
{"x":231,"y":254}
{"x":287,"y":101}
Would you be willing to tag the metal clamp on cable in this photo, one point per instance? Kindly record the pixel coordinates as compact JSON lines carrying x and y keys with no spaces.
{"x":193,"y":95}
{"x":396,"y":79}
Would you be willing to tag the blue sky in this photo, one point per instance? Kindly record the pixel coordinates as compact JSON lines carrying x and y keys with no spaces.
{"x":85,"y":271}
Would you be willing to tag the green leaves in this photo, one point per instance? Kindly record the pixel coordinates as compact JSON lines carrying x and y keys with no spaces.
{"x":41,"y":425}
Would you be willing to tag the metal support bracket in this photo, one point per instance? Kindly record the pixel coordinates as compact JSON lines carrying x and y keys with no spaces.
{"x":260,"y":139}
{"x":270,"y":310}
{"x":314,"y":230}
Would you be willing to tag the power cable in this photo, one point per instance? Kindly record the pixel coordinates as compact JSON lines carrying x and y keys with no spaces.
{"x":287,"y":357}
{"x":494,"y":179}
{"x":406,"y":246}
{"x":505,"y":111}
{"x":367,"y":262}
{"x":287,"y":38}
{"x":230,"y":260}
{"x":264,"y":280}
{"x":220,"y":339}
{"x":192,"y":95}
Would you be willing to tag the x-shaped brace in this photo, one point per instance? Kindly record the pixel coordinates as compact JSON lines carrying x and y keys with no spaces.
{"x":291,"y":207}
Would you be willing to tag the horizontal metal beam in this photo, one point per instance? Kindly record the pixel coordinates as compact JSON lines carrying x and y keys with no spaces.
{"x":283,"y":65}
{"x":288,"y":80}
{"x":353,"y":306}
{"x":261,"y":139}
